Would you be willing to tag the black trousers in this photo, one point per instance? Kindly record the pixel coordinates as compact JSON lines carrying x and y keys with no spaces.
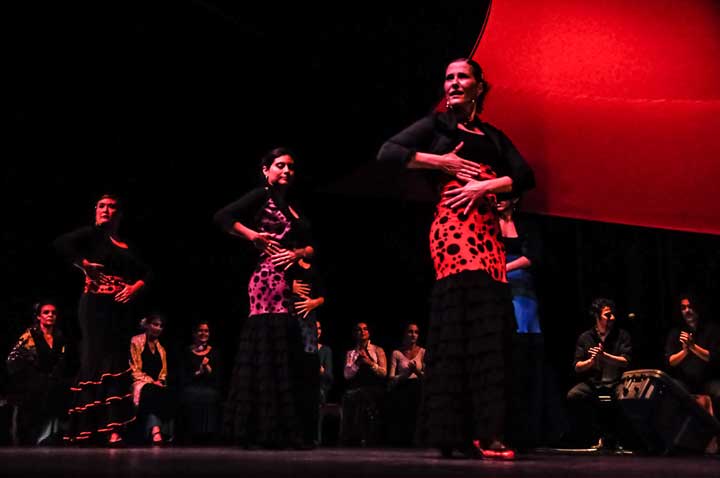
{"x":594,"y":418}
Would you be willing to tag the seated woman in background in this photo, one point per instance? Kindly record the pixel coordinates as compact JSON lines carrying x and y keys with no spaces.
{"x":200,"y":396}
{"x":407,"y":367}
{"x":148,"y":362}
{"x":365,"y":371}
{"x":39,"y":386}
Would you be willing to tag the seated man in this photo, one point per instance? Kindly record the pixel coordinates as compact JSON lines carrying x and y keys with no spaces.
{"x":601,"y":354}
{"x":691,"y":351}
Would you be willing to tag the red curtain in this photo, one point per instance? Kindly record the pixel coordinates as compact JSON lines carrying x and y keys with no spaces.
{"x":616,"y":104}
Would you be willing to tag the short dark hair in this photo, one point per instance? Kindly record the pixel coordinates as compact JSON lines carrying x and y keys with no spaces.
{"x":598,"y":304}
{"x":37,"y":306}
{"x":695,"y":304}
{"x":108,"y":195}
{"x":689,"y":296}
{"x":199,"y":322}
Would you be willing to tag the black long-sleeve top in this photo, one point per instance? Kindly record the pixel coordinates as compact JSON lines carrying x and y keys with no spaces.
{"x":248,"y":211}
{"x":190,"y":363}
{"x":33,"y":365}
{"x":437,"y":133}
{"x":94,"y":244}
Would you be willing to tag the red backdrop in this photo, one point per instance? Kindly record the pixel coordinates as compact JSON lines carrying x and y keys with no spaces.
{"x":615,"y":103}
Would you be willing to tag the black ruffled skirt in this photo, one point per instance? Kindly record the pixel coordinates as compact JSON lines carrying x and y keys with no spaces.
{"x":466,"y":386}
{"x":261,"y":406}
{"x":102,"y":395}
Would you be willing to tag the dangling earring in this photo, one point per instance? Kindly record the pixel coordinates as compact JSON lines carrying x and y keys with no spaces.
{"x":447,"y":103}
{"x":471,"y":116}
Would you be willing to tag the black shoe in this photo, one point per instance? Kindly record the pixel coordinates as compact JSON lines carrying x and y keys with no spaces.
{"x":472,"y":451}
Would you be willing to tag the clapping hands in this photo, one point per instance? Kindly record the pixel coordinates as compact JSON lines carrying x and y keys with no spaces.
{"x":686,"y":339}
{"x":596,"y":353}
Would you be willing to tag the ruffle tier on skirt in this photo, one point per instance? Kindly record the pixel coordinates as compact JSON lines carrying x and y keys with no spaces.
{"x":261,"y":406}
{"x":465,"y":390}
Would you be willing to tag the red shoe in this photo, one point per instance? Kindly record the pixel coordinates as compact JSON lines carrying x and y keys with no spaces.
{"x":157,"y":439}
{"x":506,"y":454}
{"x":498,"y":454}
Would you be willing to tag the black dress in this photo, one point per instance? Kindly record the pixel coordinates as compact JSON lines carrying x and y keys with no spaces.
{"x":261,"y":407}
{"x":200,"y":396}
{"x":102,"y":397}
{"x":38,"y":383}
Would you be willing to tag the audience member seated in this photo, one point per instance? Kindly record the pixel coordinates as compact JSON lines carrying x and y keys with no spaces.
{"x":365,"y":370}
{"x":407,"y":367}
{"x":148,"y":362}
{"x":601,"y":355}
{"x":692,"y":354}
{"x":200,"y":395}
{"x":38,"y":383}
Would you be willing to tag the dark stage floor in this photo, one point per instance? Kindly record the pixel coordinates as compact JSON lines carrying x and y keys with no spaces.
{"x":340,"y":462}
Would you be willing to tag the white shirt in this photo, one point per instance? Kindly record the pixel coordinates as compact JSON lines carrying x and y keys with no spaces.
{"x":351,"y":365}
{"x":400,"y":364}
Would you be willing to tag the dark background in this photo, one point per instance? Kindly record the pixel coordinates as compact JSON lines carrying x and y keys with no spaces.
{"x":171,"y":104}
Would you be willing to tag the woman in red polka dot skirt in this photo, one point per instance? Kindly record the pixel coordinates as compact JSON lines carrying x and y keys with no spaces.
{"x":471,"y":162}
